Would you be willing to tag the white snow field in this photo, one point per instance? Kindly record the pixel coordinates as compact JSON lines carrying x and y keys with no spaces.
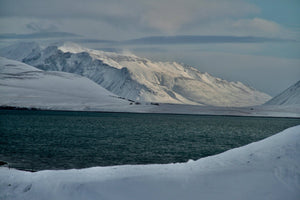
{"x":22,"y":85}
{"x":136,"y":78}
{"x":268,"y":169}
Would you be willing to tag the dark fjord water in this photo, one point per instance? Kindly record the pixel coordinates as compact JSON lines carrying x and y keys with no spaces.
{"x":37,"y":140}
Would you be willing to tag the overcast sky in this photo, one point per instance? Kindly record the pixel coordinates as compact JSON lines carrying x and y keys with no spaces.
{"x":267,"y":66}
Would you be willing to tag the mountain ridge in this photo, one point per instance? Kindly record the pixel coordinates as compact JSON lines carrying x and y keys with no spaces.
{"x":22,"y":85}
{"x":140,"y":79}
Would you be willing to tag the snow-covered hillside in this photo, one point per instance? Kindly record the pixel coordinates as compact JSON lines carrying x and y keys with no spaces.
{"x":268,"y":169}
{"x":137,"y":78}
{"x":20,"y":50}
{"x":22,"y":85}
{"x":290,"y":96}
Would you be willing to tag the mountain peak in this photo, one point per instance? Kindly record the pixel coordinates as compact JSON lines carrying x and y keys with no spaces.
{"x":136,"y":78}
{"x":290,"y":96}
{"x":71,"y":47}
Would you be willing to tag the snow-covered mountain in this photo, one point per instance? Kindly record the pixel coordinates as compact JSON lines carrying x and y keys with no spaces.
{"x":20,"y":50}
{"x":25,"y":86}
{"x":137,"y":78}
{"x":22,"y":85}
{"x":290,"y":96}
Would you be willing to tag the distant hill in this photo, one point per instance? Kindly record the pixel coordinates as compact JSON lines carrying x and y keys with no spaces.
{"x":25,"y":86}
{"x":290,"y":96}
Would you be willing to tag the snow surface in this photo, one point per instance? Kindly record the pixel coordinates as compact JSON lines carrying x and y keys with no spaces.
{"x":264,"y":110}
{"x":22,"y":85}
{"x":290,"y":96}
{"x":140,"y":79}
{"x":268,"y":169}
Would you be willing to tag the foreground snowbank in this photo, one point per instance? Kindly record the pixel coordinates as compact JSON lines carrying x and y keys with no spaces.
{"x":268,"y":169}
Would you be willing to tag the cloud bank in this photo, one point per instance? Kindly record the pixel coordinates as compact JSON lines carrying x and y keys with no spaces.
{"x":137,"y":18}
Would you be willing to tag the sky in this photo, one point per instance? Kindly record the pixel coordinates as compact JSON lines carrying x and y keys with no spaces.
{"x":271,"y":63}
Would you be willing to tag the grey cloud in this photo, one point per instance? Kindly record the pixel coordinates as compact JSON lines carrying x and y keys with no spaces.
{"x":170,"y":16}
{"x":40,"y":35}
{"x":35,"y":27}
{"x":67,"y":9}
{"x":194,"y":39}
{"x":154,"y":40}
{"x":163,"y":15}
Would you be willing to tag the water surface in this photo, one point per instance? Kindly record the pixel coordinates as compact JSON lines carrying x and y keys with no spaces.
{"x":38,"y":140}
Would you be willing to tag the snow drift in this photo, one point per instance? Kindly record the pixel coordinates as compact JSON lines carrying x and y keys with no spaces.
{"x":268,"y":169}
{"x":136,"y":78}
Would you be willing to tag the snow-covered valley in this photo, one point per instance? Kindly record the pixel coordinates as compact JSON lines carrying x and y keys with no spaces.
{"x":268,"y":169}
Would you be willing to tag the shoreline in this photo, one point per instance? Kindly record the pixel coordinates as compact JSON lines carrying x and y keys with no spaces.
{"x":240,"y":170}
{"x":219,"y":111}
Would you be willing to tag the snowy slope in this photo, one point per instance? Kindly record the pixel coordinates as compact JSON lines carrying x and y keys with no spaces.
{"x":20,"y":50}
{"x":290,"y":96}
{"x":268,"y":169}
{"x":22,"y":85}
{"x":141,"y":79}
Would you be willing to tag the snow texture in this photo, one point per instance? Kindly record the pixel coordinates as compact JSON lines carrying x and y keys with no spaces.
{"x":268,"y":169}
{"x":290,"y":96}
{"x":139,"y":79}
{"x":22,"y":85}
